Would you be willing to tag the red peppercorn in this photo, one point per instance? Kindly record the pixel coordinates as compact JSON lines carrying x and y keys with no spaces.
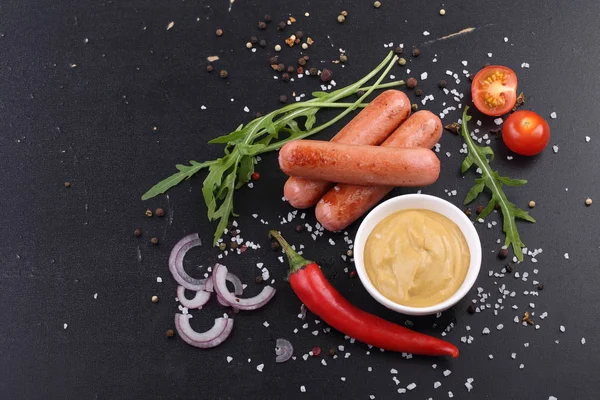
{"x":255,"y":176}
{"x":352,"y":274}
{"x":316,"y":351}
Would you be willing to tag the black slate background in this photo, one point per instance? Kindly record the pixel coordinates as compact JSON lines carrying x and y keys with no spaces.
{"x":92,"y":125}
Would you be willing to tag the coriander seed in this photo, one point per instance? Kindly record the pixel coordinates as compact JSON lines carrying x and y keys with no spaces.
{"x":154,"y":241}
{"x":414,"y":107}
{"x":222,"y":246}
{"x":588,"y":202}
{"x":209,"y":68}
{"x":223,"y":74}
{"x":67,"y":184}
{"x":343,"y":58}
{"x":304,"y":46}
{"x":341,"y":19}
{"x":377,"y":4}
{"x":344,"y":13}
{"x":248,"y":45}
{"x":531,"y":204}
{"x":155,"y":299}
{"x":277,"y":47}
{"x":219,"y":32}
{"x":442,"y":12}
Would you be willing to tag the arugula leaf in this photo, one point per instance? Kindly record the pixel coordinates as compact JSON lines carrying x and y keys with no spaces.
{"x":478,"y":156}
{"x":234,"y":169}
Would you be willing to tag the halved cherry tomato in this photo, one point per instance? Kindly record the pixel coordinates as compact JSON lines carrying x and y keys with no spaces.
{"x":494,"y":90}
{"x":526,"y":133}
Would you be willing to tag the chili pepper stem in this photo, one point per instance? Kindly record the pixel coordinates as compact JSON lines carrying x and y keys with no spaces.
{"x":296,"y":260}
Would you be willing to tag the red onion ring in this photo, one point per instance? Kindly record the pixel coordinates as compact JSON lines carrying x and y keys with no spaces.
{"x":220,"y":286}
{"x":200,"y":299}
{"x":223,"y":302}
{"x":238,"y":287}
{"x":284,"y":350}
{"x":176,"y":263}
{"x":211,"y":338}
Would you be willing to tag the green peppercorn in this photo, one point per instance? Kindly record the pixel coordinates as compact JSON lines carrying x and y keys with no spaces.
{"x":222,"y":246}
{"x":343,"y":58}
{"x":402,"y":61}
{"x":414,"y":107}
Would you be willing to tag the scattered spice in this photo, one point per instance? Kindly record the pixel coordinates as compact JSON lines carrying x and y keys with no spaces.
{"x":275,"y":245}
{"x":419,"y":92}
{"x":531,"y":204}
{"x":414,"y":107}
{"x":398,"y":51}
{"x":350,"y":253}
{"x":257,"y":114}
{"x":510,"y":268}
{"x":310,"y":41}
{"x":332,"y":351}
{"x":137,"y":232}
{"x":281,"y":26}
{"x":259,"y":279}
{"x":299,"y":228}
{"x":341,"y":19}
{"x":262,"y":25}
{"x":255,"y":176}
{"x":219,"y":32}
{"x":300,"y":70}
{"x":301,"y":61}
{"x":209,"y":68}
{"x":262,"y":43}
{"x":304,"y":46}
{"x":283,"y":99}
{"x":316,"y":351}
{"x":416,"y":52}
{"x":470,"y":78}
{"x":248,"y":45}
{"x":290,"y":41}
{"x":155,"y":299}
{"x":233,"y":245}
{"x":170,"y":333}
{"x":402,"y":61}
{"x":222,"y":246}
{"x":299,"y":34}
{"x":352,"y":274}
{"x":160,"y":212}
{"x":588,"y":202}
{"x":67,"y":184}
{"x":154,"y":240}
{"x":280,"y":67}
{"x":277,"y":47}
{"x":285,"y":77}
{"x":520,"y":101}
{"x":344,"y":13}
{"x":453,"y":127}
{"x":442,"y":84}
{"x":526,"y":318}
{"x":274,"y":60}
{"x":442,"y":12}
{"x":223,"y":73}
{"x":478,"y":209}
{"x":503,"y":253}
{"x":343,"y":58}
{"x":360,"y":93}
{"x":468,"y":212}
{"x":253,"y":39}
{"x":267,"y":18}
{"x":377,"y":4}
{"x":411,"y":83}
{"x":148,"y":213}
{"x":540,"y":286}
{"x":326,"y":75}
{"x":471,"y":309}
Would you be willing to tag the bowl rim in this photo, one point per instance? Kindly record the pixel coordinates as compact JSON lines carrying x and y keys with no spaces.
{"x":426,"y":202}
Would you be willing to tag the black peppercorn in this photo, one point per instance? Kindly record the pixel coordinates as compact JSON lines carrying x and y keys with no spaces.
{"x":137,"y":233}
{"x":280,"y":67}
{"x":257,"y":114}
{"x":154,"y":241}
{"x":281,"y":26}
{"x":299,"y":34}
{"x":332,"y":352}
{"x":159,"y":212}
{"x":299,"y":228}
{"x":170,"y":333}
{"x":540,"y":286}
{"x":291,"y":69}
{"x":398,"y":51}
{"x":283,"y":99}
{"x":313,"y":71}
{"x":419,"y":92}
{"x":262,"y":43}
{"x":267,"y":18}
{"x":468,"y":212}
{"x":503,"y":253}
{"x":306,"y":58}
{"x":253,"y":39}
{"x":478,"y":209}
{"x":471,"y":309}
{"x":259,"y":279}
{"x":360,"y":93}
{"x":262,"y":25}
{"x":274,"y":60}
{"x":285,"y":77}
{"x":411,"y":83}
{"x":209,"y":68}
{"x":416,"y":52}
{"x":442,"y":84}
{"x":275,"y":245}
{"x":470,"y":78}
{"x":223,"y":74}
{"x":509,"y":268}
{"x":301,"y":61}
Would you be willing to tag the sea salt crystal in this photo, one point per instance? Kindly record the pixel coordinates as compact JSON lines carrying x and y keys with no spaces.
{"x":562,"y":328}
{"x":498,"y":121}
{"x":582,"y":340}
{"x":553,"y":114}
{"x":555,"y":148}
{"x":566,"y":256}
{"x":266,"y":324}
{"x":260,"y":367}
{"x":424,"y":76}
{"x":436,"y":385}
{"x":65,"y":326}
{"x":411,"y":386}
{"x":447,"y":372}
{"x":229,"y":359}
{"x":425,"y":33}
{"x":303,"y":389}
{"x":485,"y":331}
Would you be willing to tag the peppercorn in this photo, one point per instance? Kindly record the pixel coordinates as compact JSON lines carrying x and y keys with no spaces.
{"x":209,"y":68}
{"x":343,"y":58}
{"x":313,"y":71}
{"x":219,"y":32}
{"x":478,"y":209}
{"x":299,"y":34}
{"x":67,"y":184}
{"x":281,"y":26}
{"x":300,"y":70}
{"x":137,"y":233}
{"x":402,"y":61}
{"x":259,"y":279}
{"x":273,"y":60}
{"x":588,"y":202}
{"x":170,"y":333}
{"x":155,"y":299}
{"x":253,"y":39}
{"x":304,"y":46}
{"x":248,"y":45}
{"x":299,"y":228}
{"x":154,"y":241}
{"x":148,"y":213}
{"x":344,"y":13}
{"x":301,"y":61}
{"x":419,"y":92}
{"x":291,"y":69}
{"x":332,"y":352}
{"x":283,"y":98}
{"x":350,"y":253}
{"x":352,"y":274}
{"x":275,"y":245}
{"x":262,"y":25}
{"x":267,"y":18}
{"x":277,"y":47}
{"x":223,"y":74}
{"x":509,"y":268}
{"x":255,"y":176}
{"x":316,"y":351}
{"x":503,"y":253}
{"x":257,"y":114}
{"x":233,"y":245}
{"x":398,"y":50}
{"x":262,"y":43}
{"x":326,"y":75}
{"x":285,"y":77}
{"x":442,"y":84}
{"x":531,"y":204}
{"x":416,"y":52}
{"x":540,"y":287}
{"x":411,"y":83}
{"x":159,"y":212}
{"x":414,"y":107}
{"x":360,"y":93}
{"x":306,"y":58}
{"x":341,"y":19}
{"x":471,"y":309}
{"x":233,"y":232}
{"x":222,"y":246}
{"x":468,"y":212}
{"x":470,"y":78}
{"x":280,"y":67}
{"x":377,"y":4}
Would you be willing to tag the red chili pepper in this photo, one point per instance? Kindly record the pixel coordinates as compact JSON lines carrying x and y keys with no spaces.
{"x":320,"y":297}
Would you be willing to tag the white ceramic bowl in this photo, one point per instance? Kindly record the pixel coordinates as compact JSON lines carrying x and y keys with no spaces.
{"x":423,"y":202}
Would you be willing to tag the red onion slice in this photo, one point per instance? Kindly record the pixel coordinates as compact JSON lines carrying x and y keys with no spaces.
{"x":284,"y":350}
{"x":200,"y":299}
{"x":220,"y":286}
{"x":238,"y":287}
{"x":176,"y":263}
{"x":211,"y":338}
{"x":223,"y":302}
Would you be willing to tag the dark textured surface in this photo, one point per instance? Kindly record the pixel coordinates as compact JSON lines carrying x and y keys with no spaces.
{"x":93,"y":124}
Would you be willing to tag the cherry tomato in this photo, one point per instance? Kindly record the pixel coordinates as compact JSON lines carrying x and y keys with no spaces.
{"x":526,"y":133}
{"x":494,"y":90}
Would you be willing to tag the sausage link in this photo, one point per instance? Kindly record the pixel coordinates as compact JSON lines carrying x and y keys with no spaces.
{"x":370,"y":127}
{"x":345,"y":203}
{"x":358,"y":164}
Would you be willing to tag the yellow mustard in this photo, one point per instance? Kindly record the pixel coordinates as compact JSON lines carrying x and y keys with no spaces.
{"x":417,"y":258}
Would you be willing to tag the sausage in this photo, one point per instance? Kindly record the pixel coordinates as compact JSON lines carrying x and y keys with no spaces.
{"x":371,"y":127}
{"x":359,"y":164}
{"x":345,"y":203}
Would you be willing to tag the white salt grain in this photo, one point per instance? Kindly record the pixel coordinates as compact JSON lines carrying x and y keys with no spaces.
{"x":553,"y":114}
{"x":447,"y":372}
{"x":260,"y":367}
{"x":436,"y":385}
{"x":562,"y":328}
{"x":303,"y":389}
{"x":229,"y":359}
{"x":566,"y":256}
{"x":582,"y":340}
